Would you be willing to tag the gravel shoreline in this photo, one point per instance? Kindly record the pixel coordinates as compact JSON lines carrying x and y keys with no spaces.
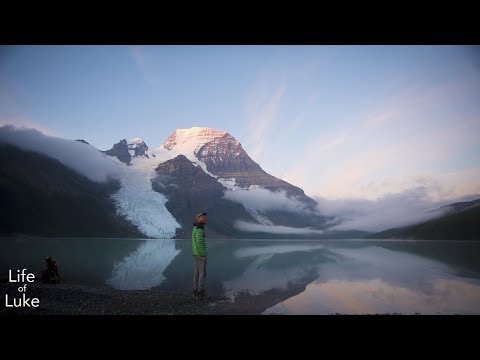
{"x":76,"y":299}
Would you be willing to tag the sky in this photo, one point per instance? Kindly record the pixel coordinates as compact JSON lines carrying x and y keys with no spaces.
{"x":361,"y":122}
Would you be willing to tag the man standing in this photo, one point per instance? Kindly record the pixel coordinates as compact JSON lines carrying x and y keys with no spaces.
{"x":199,"y":251}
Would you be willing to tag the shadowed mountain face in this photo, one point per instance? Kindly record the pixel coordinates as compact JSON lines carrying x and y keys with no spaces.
{"x":125,"y":151}
{"x":42,"y":197}
{"x":137,"y":147}
{"x":120,"y":151}
{"x":189,"y":191}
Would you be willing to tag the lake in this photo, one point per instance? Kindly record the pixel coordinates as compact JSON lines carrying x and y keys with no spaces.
{"x":313,"y":276}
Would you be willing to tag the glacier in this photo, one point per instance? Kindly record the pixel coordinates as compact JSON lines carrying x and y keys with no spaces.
{"x":137,"y":201}
{"x":140,"y":204}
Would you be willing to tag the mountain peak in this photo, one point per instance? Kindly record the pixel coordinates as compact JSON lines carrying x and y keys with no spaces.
{"x":199,"y":131}
{"x":135,"y":140}
{"x":126,"y":150}
{"x":190,"y":140}
{"x":137,"y":147}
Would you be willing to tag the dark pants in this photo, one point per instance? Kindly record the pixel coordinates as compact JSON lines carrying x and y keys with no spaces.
{"x":199,"y":273}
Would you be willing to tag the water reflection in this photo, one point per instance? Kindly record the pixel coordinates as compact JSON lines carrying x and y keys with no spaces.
{"x":262,"y":275}
{"x":143,"y":269}
{"x":327,"y":278}
{"x":377,"y":280}
{"x":257,"y":279}
{"x":312,"y":277}
{"x":275,"y":249}
{"x":377,"y":296}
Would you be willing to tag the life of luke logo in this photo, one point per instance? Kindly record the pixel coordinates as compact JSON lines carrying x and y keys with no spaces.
{"x":22,"y":301}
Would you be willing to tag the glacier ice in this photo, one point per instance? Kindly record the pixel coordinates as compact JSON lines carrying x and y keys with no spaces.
{"x":140,"y":204}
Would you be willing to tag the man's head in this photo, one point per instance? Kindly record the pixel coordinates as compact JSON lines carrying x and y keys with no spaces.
{"x":201,"y":219}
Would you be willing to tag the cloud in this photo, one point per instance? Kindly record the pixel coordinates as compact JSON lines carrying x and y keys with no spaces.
{"x":438,"y":186}
{"x":138,"y":55}
{"x":82,"y":158}
{"x":25,"y":123}
{"x":415,"y":130}
{"x":257,"y":198}
{"x":392,"y":161}
{"x":463,"y":183}
{"x":143,"y":62}
{"x":164,"y":182}
{"x":262,"y":111}
{"x":282,"y":135}
{"x":391,"y":210}
{"x":273,"y":229}
{"x":395,"y":209}
{"x":379,"y":119}
{"x":338,"y":140}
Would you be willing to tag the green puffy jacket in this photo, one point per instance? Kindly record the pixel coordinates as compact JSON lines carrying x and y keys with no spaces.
{"x":199,"y":246}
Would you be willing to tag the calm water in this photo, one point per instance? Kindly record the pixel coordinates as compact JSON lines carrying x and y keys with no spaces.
{"x":317,"y":277}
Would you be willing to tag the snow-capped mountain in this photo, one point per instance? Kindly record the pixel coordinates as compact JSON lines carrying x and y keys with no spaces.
{"x":222,"y":156}
{"x":191,"y":172}
{"x":189,"y":141}
{"x":157,"y":191}
{"x":143,"y":192}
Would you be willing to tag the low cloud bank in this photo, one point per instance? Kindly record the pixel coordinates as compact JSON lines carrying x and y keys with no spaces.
{"x":258,"y":198}
{"x":392,"y":210}
{"x":82,"y":158}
